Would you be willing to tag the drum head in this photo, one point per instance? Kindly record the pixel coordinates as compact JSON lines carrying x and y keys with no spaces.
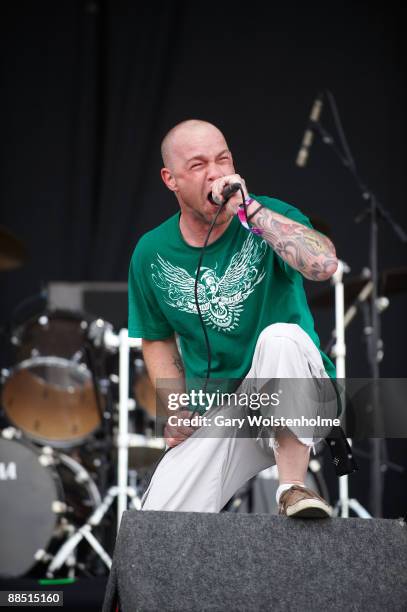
{"x":52,"y":400}
{"x":28,"y":492}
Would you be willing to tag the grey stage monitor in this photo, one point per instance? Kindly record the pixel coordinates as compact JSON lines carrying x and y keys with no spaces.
{"x":105,"y":300}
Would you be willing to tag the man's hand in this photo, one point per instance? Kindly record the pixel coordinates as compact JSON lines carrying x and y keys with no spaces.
{"x":175,"y":434}
{"x":236,"y":199}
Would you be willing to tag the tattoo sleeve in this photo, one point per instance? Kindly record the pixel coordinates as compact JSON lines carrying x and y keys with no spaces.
{"x":304,"y":249}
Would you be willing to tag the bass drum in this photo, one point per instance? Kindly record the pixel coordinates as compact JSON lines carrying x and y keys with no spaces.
{"x":49,"y":394}
{"x":42,"y":493}
{"x":259,"y":494}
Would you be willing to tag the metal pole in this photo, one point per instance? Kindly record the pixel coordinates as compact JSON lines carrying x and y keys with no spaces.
{"x":123,"y":437}
{"x":122,"y":441}
{"x":340,"y":356}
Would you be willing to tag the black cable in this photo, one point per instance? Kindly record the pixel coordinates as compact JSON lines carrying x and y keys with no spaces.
{"x":340,"y":130}
{"x":198,"y":270}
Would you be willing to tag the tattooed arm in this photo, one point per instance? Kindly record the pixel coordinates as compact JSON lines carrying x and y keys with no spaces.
{"x":304,"y":249}
{"x":163,"y":361}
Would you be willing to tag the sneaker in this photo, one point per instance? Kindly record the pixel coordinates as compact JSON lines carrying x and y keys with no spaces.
{"x":301,"y":502}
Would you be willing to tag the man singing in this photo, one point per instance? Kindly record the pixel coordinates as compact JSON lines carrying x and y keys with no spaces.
{"x":253,"y":305}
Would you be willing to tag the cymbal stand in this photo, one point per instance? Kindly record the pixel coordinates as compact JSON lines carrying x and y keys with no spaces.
{"x":344,"y":504}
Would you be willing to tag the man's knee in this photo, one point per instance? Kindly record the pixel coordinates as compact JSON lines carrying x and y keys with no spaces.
{"x":289,"y":336}
{"x":282,"y":330}
{"x":285,"y":350}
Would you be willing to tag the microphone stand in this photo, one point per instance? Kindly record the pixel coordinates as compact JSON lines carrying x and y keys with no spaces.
{"x":373,"y":211}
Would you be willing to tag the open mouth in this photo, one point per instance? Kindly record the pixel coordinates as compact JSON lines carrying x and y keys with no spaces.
{"x":211,"y":200}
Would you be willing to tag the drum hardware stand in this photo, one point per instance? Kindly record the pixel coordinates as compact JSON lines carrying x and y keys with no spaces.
{"x":123,"y":343}
{"x":95,"y":352}
{"x":374,"y":211}
{"x":122,"y":491}
{"x":65,"y":553}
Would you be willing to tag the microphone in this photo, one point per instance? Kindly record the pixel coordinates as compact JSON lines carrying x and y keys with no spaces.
{"x":308,"y":138}
{"x":227,"y":191}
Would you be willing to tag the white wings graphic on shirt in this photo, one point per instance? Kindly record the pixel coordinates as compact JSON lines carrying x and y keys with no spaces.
{"x":220,"y":299}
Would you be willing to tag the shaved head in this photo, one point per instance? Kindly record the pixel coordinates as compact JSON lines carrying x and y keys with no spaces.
{"x":176,"y":140}
{"x":195,"y":154}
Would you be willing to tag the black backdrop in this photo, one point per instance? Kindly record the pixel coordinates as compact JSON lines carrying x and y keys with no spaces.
{"x":90,"y":87}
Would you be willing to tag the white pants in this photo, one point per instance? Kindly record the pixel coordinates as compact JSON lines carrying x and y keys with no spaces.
{"x":203,"y":472}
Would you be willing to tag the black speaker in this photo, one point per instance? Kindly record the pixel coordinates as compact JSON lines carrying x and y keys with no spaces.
{"x":187,"y":561}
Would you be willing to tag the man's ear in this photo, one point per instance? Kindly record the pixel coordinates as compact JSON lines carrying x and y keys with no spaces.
{"x":168,"y":179}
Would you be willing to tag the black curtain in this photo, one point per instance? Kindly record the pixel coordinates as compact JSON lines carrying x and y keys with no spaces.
{"x":90,"y":87}
{"x":137,"y":51}
{"x":84,"y":84}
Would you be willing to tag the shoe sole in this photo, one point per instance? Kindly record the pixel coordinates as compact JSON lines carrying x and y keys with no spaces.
{"x":309,"y":508}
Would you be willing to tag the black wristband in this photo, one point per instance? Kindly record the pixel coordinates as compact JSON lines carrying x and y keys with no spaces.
{"x":255,"y":212}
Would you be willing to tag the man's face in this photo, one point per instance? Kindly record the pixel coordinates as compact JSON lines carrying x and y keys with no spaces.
{"x":199,"y":156}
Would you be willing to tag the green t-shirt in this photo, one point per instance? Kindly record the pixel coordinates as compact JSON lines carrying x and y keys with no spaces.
{"x":244,"y":286}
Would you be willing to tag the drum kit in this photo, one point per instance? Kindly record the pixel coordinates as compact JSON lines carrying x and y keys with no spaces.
{"x":58,"y":439}
{"x":58,"y":444}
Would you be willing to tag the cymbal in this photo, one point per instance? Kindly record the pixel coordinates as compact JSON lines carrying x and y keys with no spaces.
{"x":391,"y":281}
{"x":12,"y":250}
